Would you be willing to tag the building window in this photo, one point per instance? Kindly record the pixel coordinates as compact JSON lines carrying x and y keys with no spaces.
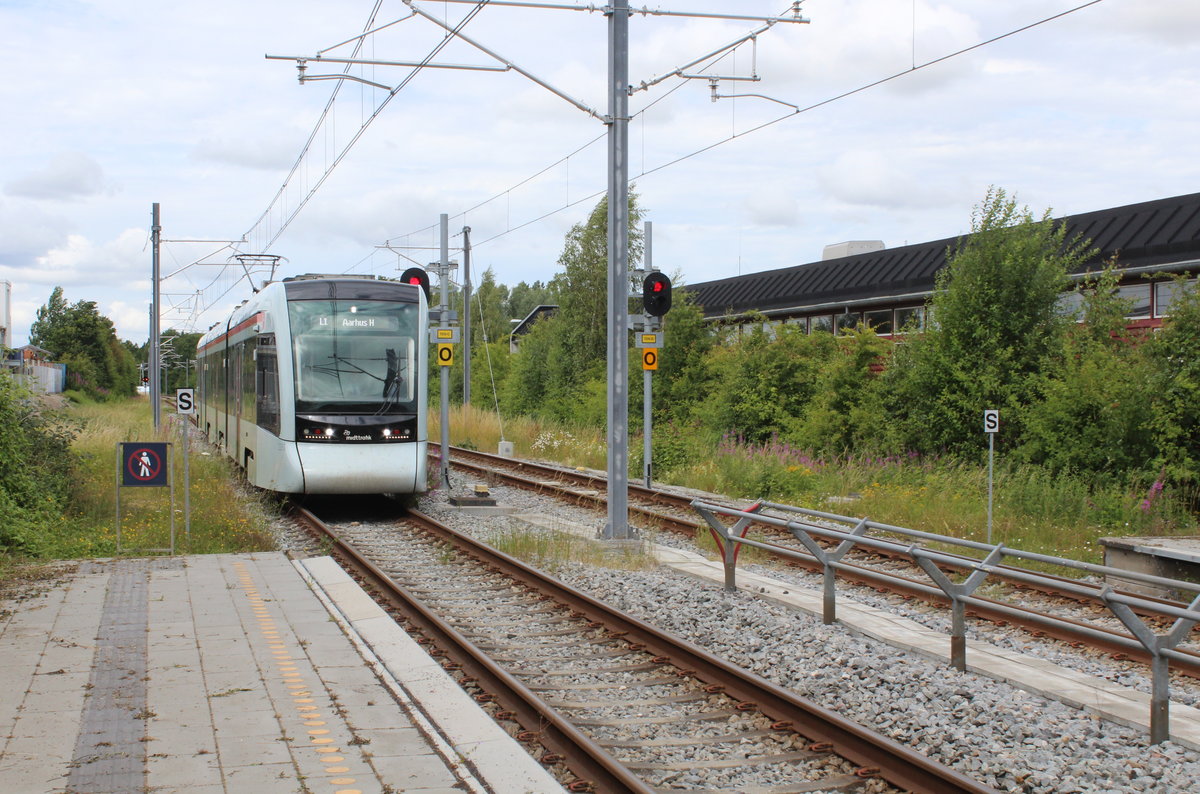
{"x":1070,"y":304}
{"x":1139,"y":297}
{"x":822,"y":323}
{"x":847,"y":321}
{"x":800,"y":322}
{"x":1166,"y":293}
{"x":880,"y":321}
{"x":910,"y":318}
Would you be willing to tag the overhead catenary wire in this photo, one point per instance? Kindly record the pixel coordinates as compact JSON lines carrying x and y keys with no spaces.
{"x":798,"y":110}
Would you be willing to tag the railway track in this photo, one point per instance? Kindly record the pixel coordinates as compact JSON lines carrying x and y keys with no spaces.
{"x":623,"y":705}
{"x":670,"y":511}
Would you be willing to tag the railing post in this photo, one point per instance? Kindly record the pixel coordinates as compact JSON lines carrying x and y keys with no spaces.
{"x":730,"y":560}
{"x":1160,"y":699}
{"x":958,"y":634}
{"x":827,"y":560}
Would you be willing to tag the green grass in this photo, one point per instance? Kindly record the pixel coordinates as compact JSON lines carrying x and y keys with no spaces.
{"x":474,"y":428}
{"x":1033,"y":511}
{"x":550,"y":549}
{"x":223,"y":519}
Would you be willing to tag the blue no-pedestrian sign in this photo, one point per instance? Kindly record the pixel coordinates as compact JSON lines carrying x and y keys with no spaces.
{"x":144,"y":463}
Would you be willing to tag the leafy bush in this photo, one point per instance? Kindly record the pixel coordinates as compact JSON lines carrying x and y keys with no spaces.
{"x":847,"y":411}
{"x":35,"y":467}
{"x":1176,"y":413}
{"x":995,"y":326}
{"x":1092,"y":413}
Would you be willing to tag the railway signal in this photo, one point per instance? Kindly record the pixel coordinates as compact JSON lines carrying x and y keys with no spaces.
{"x":418,"y":277}
{"x":656,"y":294}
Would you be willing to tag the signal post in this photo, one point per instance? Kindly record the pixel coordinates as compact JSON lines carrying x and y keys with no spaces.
{"x":656,"y":301}
{"x":443,"y":336}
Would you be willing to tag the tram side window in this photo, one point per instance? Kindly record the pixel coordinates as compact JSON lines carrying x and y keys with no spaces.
{"x":266,"y":382}
{"x":219,"y":392}
{"x":248,"y":396}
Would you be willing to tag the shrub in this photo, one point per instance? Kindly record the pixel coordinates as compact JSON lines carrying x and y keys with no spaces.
{"x":35,"y":467}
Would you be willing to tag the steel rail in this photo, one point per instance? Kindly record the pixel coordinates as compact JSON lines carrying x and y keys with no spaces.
{"x":1114,"y":642}
{"x":582,"y":755}
{"x":899,"y":765}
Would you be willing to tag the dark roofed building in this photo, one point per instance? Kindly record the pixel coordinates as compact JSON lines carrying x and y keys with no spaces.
{"x":886,"y":287}
{"x":522,"y":327}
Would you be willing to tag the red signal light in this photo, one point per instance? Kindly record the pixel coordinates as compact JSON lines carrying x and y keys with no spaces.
{"x":417,"y":277}
{"x":656,"y":294}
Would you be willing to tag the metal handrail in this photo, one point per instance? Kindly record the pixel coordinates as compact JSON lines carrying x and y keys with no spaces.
{"x":1160,"y":646}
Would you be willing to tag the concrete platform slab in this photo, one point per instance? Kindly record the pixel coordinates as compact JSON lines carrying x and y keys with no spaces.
{"x":222,"y":673}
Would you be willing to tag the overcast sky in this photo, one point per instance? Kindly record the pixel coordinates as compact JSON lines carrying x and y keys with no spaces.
{"x":113,"y":105}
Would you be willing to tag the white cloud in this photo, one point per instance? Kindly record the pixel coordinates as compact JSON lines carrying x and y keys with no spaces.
{"x":771,"y":206}
{"x":885,"y":179}
{"x":70,"y":175}
{"x":179,"y":107}
{"x":83,"y":264}
{"x":267,"y":153}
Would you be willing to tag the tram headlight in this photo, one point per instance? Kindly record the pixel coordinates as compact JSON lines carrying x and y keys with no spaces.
{"x":329,"y":432}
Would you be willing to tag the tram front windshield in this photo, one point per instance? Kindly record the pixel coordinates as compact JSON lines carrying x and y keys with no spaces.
{"x":354,"y":357}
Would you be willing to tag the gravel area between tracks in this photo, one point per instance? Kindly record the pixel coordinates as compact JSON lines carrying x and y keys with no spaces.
{"x":992,"y":731}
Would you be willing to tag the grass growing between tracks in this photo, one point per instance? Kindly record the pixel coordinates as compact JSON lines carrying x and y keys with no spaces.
{"x":550,"y":549}
{"x":223,"y":519}
{"x":1033,"y":511}
{"x":474,"y":428}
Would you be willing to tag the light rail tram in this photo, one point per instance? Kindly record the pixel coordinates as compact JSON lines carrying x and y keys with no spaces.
{"x":316,"y":385}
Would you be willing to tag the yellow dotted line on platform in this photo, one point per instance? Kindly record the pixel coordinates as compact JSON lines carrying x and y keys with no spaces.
{"x":309,"y":714}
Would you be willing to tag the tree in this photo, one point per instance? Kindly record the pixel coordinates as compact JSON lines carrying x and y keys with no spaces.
{"x":1091,"y":414}
{"x":86,"y":341}
{"x":563,"y":357}
{"x":1176,"y":386}
{"x":682,"y":378}
{"x":47,"y":331}
{"x":994,"y":325}
{"x":846,"y":413}
{"x":524,"y":298}
{"x":583,"y":289}
{"x":761,"y":385}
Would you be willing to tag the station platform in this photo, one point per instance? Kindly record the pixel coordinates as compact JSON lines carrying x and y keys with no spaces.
{"x":234,"y":673}
{"x":1169,"y":557}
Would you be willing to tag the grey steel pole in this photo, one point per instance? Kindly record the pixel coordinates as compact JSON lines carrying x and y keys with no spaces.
{"x":991,"y":462}
{"x":618,"y":271}
{"x":187,"y":485}
{"x":466,"y":315}
{"x":443,"y":310}
{"x":647,"y":399}
{"x":155,"y":355}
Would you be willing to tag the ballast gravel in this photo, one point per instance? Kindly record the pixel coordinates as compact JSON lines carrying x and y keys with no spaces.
{"x":1002,"y":736}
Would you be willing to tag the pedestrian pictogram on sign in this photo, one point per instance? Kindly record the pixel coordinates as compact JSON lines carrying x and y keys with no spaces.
{"x":650,"y":358}
{"x":445,"y":355}
{"x":144,"y":464}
